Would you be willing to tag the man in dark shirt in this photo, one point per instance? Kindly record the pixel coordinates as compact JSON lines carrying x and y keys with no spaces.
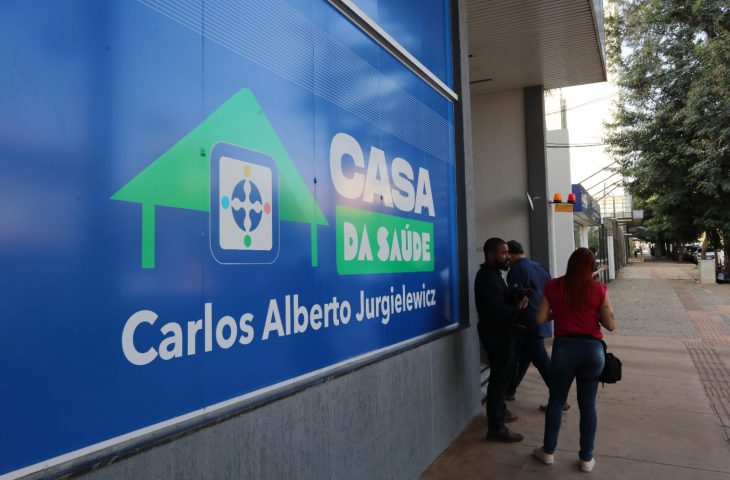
{"x":497,"y":311}
{"x":530,"y":277}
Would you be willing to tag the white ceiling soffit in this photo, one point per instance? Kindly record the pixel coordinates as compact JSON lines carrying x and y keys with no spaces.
{"x":515,"y":44}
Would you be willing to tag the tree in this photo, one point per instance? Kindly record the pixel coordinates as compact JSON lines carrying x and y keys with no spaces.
{"x":671,"y":128}
{"x":707,"y":115}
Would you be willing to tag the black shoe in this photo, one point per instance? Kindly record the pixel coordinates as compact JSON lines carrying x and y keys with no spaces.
{"x":510,"y":417}
{"x":504,"y":434}
{"x":510,"y":396}
{"x":566,"y":407}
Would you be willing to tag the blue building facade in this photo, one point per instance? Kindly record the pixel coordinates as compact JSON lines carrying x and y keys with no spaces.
{"x":235,"y":238}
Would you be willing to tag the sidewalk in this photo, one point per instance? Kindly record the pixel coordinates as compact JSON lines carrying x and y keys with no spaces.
{"x":669,"y":418}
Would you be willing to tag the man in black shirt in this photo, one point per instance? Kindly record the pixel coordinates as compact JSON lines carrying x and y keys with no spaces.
{"x":497,"y":309}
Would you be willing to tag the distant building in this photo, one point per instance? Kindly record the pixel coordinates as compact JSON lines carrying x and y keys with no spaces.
{"x":618,"y":207}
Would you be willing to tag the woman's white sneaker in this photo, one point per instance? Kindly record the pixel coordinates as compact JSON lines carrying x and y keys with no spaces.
{"x":546,"y":458}
{"x":587,"y":466}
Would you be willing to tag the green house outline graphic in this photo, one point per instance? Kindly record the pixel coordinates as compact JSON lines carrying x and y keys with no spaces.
{"x":180,"y":177}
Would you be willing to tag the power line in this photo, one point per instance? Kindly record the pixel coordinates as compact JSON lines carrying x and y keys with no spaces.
{"x":585,"y":103}
{"x":607,"y":193}
{"x":615,"y":185}
{"x":604,"y":180}
{"x":612,"y":184}
{"x":599,"y":171}
{"x":574,"y":145}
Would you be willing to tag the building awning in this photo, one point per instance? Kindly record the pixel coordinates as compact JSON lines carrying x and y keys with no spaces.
{"x":554,"y":43}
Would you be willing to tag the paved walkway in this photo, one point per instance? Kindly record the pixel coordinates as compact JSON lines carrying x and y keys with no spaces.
{"x":669,"y":418}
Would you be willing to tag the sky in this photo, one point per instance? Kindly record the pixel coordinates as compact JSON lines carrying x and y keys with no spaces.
{"x":587,"y":108}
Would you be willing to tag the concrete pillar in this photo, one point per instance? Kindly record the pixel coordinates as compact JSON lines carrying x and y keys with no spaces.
{"x":706,"y":270}
{"x":537,"y":172}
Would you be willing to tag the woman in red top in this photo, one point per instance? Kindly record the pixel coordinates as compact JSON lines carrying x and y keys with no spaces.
{"x":579,"y":307}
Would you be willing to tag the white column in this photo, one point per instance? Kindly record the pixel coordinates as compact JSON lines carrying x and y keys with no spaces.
{"x":551,"y":238}
{"x":583,"y":236}
{"x":611,"y":262}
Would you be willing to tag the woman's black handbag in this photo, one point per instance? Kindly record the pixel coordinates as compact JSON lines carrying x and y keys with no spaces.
{"x":612,"y":369}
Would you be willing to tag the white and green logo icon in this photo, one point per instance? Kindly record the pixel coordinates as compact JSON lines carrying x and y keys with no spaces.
{"x":244,"y":201}
{"x":233,"y":166}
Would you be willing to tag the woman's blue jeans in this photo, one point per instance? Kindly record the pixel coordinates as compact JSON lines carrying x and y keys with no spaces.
{"x":582,"y":359}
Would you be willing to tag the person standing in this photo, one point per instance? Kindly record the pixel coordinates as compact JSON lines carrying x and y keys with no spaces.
{"x":497,"y":311}
{"x":529,"y":276}
{"x":580,"y":307}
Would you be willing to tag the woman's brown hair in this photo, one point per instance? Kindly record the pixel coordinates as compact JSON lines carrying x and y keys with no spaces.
{"x":578,"y":277}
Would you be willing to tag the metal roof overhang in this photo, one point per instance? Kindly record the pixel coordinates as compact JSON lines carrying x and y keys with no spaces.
{"x":516,"y":44}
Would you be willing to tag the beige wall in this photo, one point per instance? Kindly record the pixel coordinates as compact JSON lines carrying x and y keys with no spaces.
{"x":500,"y":167}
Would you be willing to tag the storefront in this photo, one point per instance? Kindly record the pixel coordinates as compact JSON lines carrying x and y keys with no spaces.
{"x":590,"y":232}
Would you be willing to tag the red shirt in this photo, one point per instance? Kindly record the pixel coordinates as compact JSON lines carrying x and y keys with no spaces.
{"x":583,"y":320}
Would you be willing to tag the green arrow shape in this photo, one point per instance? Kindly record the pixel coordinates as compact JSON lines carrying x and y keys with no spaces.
{"x":180,"y":177}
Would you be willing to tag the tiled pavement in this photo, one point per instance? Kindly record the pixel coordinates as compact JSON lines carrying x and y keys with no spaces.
{"x":668,"y":418}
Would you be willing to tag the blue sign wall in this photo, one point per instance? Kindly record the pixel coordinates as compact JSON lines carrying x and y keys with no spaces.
{"x":203,"y":199}
{"x":423,"y":27}
{"x":587,"y":209}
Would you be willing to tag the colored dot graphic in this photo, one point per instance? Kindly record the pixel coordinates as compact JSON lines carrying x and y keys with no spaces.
{"x":247,"y":206}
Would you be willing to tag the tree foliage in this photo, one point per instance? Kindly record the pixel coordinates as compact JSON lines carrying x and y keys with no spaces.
{"x":671,"y":128}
